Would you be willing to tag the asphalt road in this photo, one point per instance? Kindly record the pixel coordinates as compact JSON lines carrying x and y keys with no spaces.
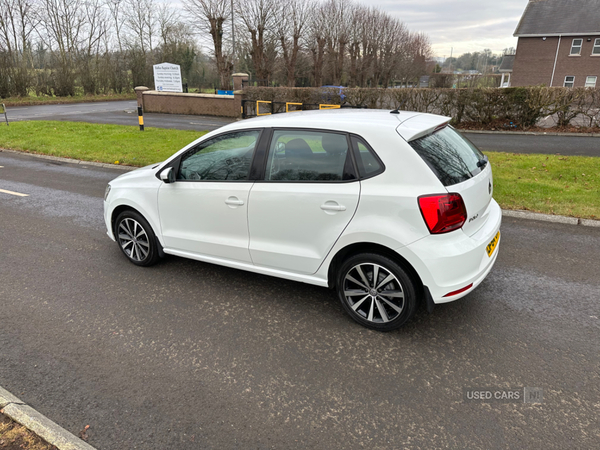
{"x":187,"y":355}
{"x":125,"y":113}
{"x":565,"y":145}
{"x":118,"y":113}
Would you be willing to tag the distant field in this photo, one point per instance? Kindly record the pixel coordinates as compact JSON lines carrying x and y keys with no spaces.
{"x":552,"y":184}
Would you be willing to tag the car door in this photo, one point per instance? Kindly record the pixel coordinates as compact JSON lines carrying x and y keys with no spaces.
{"x":307,"y":198}
{"x":204,"y":211}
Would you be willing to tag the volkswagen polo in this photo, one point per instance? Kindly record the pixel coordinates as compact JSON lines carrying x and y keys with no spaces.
{"x":390,"y":209}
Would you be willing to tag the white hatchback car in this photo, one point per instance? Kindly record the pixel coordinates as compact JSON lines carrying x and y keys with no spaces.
{"x":389,"y":208}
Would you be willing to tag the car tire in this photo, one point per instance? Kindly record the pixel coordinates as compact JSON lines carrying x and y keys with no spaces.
{"x":136,"y":239}
{"x":385,"y":304}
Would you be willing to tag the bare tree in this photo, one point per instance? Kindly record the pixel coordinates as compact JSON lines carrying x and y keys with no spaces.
{"x":96,"y":24}
{"x":16,"y":26}
{"x":365,"y":45}
{"x":114,"y":67}
{"x":413,"y":57}
{"x":337,"y":34}
{"x":317,"y":25}
{"x":141,"y":20}
{"x":393,"y":35}
{"x":60,"y":46}
{"x":169,"y":24}
{"x":141,"y":29}
{"x":357,"y":48}
{"x":293,"y":16}
{"x":62,"y":23}
{"x":258,"y":17}
{"x":213,"y":16}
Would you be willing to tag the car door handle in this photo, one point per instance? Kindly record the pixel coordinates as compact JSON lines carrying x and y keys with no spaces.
{"x":332,"y":206}
{"x":234,"y":201}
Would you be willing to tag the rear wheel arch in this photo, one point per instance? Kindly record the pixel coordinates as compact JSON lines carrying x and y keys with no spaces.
{"x":369,"y":247}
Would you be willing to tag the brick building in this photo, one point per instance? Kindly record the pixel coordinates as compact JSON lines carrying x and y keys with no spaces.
{"x":559,"y":44}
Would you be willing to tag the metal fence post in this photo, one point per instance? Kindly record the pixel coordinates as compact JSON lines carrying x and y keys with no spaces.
{"x":141,"y":118}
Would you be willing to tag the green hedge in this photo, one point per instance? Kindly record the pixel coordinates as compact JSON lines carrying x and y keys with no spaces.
{"x":523,"y":106}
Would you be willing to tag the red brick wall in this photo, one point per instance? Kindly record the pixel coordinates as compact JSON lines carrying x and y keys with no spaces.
{"x":578,"y":66}
{"x":535,"y":57}
{"x":534,"y":61}
{"x":195,"y":104}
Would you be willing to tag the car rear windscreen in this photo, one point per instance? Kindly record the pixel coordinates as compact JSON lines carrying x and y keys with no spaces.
{"x":451,"y":157}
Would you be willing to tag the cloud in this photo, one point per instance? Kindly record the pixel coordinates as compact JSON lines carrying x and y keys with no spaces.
{"x":465,"y":25}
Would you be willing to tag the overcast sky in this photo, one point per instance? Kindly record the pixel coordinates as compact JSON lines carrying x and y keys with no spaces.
{"x":466,"y":25}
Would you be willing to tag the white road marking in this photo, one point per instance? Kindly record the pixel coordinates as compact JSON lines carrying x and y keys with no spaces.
{"x":18,"y":194}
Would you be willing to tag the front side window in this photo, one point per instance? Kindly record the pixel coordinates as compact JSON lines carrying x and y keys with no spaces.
{"x":449,"y":155}
{"x":569,"y":81}
{"x":298,"y":155}
{"x":223,"y":158}
{"x":590,"y":82}
{"x":576,"y":47}
{"x":596,"y":49}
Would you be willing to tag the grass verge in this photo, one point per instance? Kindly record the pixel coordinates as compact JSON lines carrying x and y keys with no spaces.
{"x":14,"y":437}
{"x":93,"y":142}
{"x":45,"y":100}
{"x":551,"y":184}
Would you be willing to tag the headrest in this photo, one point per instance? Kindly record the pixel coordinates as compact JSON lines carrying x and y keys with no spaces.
{"x":297,"y":147}
{"x":334,"y":144}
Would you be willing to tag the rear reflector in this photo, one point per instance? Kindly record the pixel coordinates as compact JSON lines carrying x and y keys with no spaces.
{"x":443,"y":213}
{"x":466,"y":288}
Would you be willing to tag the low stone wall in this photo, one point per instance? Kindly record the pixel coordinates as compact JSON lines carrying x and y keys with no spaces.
{"x":194,"y":104}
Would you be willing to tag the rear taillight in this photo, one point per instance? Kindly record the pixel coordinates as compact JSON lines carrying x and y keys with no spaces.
{"x":443,"y":213}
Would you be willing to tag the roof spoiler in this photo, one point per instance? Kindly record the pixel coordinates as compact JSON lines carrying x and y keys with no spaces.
{"x":421,"y":125}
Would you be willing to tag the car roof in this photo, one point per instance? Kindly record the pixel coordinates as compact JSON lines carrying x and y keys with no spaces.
{"x":347,"y":120}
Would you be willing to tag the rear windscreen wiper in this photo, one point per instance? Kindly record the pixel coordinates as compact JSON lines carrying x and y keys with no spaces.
{"x":482,"y":162}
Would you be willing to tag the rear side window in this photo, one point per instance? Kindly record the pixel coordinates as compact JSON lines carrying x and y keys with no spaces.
{"x":300,"y":155}
{"x":451,"y":157}
{"x":366,"y":160}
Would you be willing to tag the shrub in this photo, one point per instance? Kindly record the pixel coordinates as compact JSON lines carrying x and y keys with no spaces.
{"x":523,"y":106}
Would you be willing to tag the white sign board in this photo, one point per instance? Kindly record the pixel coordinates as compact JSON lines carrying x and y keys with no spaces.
{"x":167,"y":77}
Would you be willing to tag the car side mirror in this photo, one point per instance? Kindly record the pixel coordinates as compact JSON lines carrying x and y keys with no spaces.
{"x":167,"y":175}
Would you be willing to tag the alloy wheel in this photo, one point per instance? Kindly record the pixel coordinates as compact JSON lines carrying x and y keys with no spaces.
{"x":374,"y":293}
{"x":133,"y":239}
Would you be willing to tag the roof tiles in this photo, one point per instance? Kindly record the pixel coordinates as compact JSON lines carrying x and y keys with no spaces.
{"x":564,"y":17}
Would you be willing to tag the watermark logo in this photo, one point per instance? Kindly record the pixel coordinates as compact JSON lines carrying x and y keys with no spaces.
{"x":533,"y":395}
{"x":504,"y":395}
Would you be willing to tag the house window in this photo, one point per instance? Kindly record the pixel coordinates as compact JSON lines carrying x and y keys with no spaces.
{"x":569,"y":81}
{"x":596,"y":50}
{"x":576,"y":47}
{"x":591,"y":82}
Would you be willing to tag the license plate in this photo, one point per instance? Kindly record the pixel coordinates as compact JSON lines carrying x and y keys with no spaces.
{"x":492,"y":245}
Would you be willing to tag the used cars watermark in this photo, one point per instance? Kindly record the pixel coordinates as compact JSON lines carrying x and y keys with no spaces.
{"x":504,"y":395}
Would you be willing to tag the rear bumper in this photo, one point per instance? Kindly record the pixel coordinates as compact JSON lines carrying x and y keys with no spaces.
{"x":450,"y":262}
